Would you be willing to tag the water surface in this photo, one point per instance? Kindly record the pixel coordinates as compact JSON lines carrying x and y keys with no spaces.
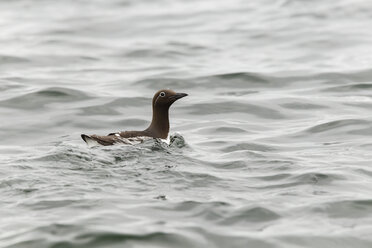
{"x":272,"y":147}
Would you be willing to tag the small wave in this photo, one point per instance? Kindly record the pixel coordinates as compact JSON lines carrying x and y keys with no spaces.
{"x":239,"y":92}
{"x":237,"y":80}
{"x":223,"y":130}
{"x":317,"y":178}
{"x":6,"y":84}
{"x":4,"y":60}
{"x":110,"y":108}
{"x":338,"y":124}
{"x":50,"y":204}
{"x":62,"y":235}
{"x":172,"y":83}
{"x":157,"y":239}
{"x":302,"y":105}
{"x":191,"y":205}
{"x":235,"y":107}
{"x":43,"y":97}
{"x":151,"y":53}
{"x":249,"y":215}
{"x":276,"y":177}
{"x":249,"y":147}
{"x":194,"y":179}
{"x":210,"y":211}
{"x":229,"y":165}
{"x":348,"y":208}
{"x":288,"y":180}
{"x":350,"y":88}
{"x":341,"y":127}
{"x":129,"y":102}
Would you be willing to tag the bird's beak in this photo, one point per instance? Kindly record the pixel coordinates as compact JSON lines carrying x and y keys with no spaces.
{"x":178,"y":96}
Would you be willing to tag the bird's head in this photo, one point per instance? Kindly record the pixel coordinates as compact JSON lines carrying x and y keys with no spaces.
{"x":165,"y":98}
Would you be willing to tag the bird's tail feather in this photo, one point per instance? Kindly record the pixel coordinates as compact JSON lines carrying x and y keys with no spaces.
{"x":89,"y":140}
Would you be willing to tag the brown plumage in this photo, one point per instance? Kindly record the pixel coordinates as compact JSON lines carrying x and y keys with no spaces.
{"x":159,"y":127}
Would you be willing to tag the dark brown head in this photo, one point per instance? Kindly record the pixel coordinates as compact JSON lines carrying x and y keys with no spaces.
{"x":165,"y":98}
{"x":161,"y":102}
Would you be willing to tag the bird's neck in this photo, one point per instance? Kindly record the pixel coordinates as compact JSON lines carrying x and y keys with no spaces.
{"x":159,"y":126}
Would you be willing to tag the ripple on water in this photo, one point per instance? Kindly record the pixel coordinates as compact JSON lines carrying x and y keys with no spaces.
{"x":317,"y":178}
{"x":156,"y":239}
{"x":239,"y":81}
{"x":302,"y":105}
{"x":223,"y":130}
{"x":288,"y":180}
{"x":111,"y":107}
{"x":334,"y":125}
{"x":225,"y":107}
{"x":348,"y":209}
{"x":11,"y":60}
{"x":41,"y":98}
{"x":67,"y":235}
{"x":355,"y":87}
{"x":250,"y":215}
{"x":342,"y":128}
{"x":249,"y":147}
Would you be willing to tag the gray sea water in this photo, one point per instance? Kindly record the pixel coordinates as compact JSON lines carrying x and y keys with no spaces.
{"x":272,"y":147}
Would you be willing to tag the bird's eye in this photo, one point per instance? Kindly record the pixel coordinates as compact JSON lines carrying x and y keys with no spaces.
{"x":162,"y":94}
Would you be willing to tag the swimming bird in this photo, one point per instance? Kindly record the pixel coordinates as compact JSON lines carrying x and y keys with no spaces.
{"x":159,"y":126}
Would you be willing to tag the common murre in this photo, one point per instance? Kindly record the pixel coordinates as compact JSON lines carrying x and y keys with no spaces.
{"x":159,"y":127}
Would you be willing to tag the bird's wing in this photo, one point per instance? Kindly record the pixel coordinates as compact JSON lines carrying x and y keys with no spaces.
{"x":101,"y":140}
